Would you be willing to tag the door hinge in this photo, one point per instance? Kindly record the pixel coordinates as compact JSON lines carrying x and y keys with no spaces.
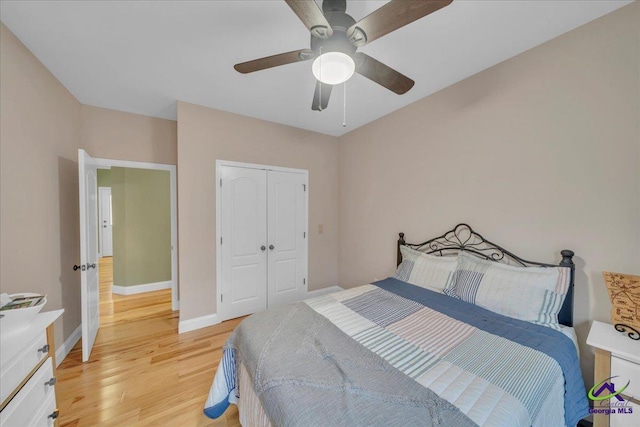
{"x":221,"y":297}
{"x":220,"y":182}
{"x":304,"y":187}
{"x":304,"y":281}
{"x":221,"y":240}
{"x":304,"y":234}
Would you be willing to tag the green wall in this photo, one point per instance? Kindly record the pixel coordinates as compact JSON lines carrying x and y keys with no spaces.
{"x":104,"y":177}
{"x":141,"y":226}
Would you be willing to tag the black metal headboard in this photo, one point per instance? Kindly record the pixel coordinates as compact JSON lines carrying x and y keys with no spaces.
{"x":463,"y":238}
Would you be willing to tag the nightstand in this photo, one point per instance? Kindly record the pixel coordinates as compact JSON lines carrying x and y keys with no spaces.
{"x":616,"y":355}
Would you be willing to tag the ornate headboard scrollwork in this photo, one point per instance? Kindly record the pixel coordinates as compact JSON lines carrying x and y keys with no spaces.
{"x":463,"y":238}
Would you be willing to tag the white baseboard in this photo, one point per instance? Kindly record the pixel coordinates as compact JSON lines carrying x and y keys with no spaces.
{"x":197,"y":323}
{"x":324,"y":291}
{"x":212,"y":319}
{"x":67,"y":345}
{"x":138,"y":289}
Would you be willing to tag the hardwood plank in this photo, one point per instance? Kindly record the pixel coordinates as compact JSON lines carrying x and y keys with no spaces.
{"x":141,"y":372}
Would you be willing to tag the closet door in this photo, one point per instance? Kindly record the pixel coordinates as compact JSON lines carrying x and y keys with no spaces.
{"x":243,"y":241}
{"x":286,"y":219}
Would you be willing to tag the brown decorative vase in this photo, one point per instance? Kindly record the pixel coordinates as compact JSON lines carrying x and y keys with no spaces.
{"x":624,"y":292}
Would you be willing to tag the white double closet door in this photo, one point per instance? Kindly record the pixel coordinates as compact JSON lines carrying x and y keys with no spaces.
{"x":262,"y":239}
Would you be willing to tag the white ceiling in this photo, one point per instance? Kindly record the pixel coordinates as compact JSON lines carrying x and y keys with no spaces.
{"x":142,"y":56}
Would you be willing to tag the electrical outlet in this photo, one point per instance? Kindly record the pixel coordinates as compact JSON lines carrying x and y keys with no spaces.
{"x":320,"y":229}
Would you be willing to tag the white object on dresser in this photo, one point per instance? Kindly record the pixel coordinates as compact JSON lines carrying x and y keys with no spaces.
{"x":27,"y":374}
{"x":617,"y":355}
{"x":17,"y":320}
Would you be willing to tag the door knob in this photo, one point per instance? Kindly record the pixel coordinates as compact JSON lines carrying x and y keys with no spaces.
{"x":271,"y":247}
{"x":263,"y":247}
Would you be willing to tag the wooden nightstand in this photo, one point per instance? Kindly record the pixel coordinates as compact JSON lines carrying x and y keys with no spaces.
{"x":616,"y":355}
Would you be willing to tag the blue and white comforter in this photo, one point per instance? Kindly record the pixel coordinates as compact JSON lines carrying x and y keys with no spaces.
{"x":495,"y":370}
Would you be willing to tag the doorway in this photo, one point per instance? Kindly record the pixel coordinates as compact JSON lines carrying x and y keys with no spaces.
{"x":106,"y":218}
{"x":139,"y":168}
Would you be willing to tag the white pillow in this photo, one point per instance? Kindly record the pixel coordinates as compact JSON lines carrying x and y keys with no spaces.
{"x":427,"y":271}
{"x":534,"y":294}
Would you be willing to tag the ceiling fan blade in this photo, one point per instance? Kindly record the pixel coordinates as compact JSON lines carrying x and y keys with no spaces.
{"x":393,"y":15}
{"x":382,"y":74}
{"x":274,"y":61}
{"x":326,"y":93}
{"x":312,"y":17}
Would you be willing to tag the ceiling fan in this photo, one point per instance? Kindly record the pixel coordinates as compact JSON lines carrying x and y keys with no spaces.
{"x":335,"y":38}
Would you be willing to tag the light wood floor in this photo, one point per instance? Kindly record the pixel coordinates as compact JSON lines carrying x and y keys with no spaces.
{"x":141,"y":372}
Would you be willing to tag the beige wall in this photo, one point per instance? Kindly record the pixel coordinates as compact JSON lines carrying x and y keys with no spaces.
{"x":141,"y":205}
{"x":538,"y":153}
{"x":39,"y":140}
{"x":41,"y":127}
{"x":205,"y":135}
{"x":116,"y":135}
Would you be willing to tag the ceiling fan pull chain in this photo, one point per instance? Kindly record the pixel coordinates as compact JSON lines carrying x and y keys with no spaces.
{"x":320,"y":97}
{"x":344,"y":105}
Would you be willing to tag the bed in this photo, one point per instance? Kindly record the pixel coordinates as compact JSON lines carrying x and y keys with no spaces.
{"x":464,"y":334}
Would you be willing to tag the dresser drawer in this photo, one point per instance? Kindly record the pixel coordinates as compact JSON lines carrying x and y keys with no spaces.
{"x":625,"y":418}
{"x":46,"y":416}
{"x":626,"y":371}
{"x":14,"y":371}
{"x":26,"y":406}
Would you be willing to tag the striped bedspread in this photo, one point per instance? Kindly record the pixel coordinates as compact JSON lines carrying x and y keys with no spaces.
{"x":495,"y":370}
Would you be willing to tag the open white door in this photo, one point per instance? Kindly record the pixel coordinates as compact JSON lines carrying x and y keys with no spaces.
{"x":89,"y":287}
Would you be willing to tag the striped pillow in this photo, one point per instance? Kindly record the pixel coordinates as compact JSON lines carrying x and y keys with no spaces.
{"x":427,"y":271}
{"x":534,"y":294}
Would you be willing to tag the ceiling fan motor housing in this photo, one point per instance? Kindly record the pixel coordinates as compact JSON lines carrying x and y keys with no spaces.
{"x":338,"y":42}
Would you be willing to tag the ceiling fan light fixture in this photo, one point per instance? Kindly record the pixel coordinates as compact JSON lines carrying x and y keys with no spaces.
{"x":333,"y":68}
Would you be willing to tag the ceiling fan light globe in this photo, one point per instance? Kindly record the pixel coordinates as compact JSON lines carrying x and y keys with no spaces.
{"x":333,"y":68}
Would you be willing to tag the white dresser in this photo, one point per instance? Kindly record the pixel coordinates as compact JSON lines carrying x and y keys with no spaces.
{"x":28,"y":375}
{"x":618,"y":356}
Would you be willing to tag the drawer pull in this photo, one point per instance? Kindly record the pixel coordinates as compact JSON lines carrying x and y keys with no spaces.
{"x":51,"y":382}
{"x":54,"y":414}
{"x":44,"y":349}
